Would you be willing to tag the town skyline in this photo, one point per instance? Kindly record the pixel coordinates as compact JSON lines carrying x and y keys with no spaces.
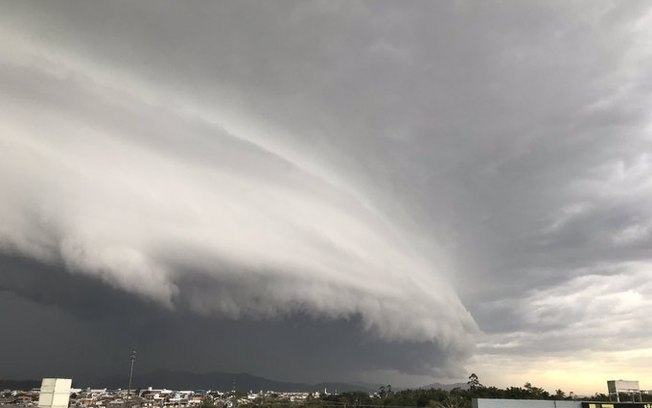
{"x":218,"y":392}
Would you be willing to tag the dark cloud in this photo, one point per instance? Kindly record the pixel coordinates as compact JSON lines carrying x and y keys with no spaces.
{"x":58,"y":320}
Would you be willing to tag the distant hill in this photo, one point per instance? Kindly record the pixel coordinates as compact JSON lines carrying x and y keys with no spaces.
{"x":215,"y":381}
{"x":24,"y":385}
{"x":220,"y":381}
{"x":446,"y":387}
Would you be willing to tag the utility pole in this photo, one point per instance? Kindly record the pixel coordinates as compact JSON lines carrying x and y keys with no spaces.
{"x":132,"y":359}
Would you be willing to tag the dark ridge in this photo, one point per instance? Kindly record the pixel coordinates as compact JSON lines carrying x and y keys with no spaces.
{"x":219,"y":381}
{"x":23,"y":385}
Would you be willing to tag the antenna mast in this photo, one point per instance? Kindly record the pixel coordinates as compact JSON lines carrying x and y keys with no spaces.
{"x":132,"y":359}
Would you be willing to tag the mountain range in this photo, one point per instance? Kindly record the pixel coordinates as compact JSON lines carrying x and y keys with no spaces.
{"x":216,"y":380}
{"x":222,"y":381}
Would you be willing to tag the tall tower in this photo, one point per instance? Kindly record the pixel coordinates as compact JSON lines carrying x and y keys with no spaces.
{"x":132,"y":361}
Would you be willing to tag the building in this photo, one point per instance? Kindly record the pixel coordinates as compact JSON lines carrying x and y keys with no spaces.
{"x":54,"y":393}
{"x":618,"y":387}
{"x":515,"y":403}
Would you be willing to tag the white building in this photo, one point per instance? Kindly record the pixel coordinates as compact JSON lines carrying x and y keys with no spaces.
{"x":617,"y":387}
{"x":55,"y":393}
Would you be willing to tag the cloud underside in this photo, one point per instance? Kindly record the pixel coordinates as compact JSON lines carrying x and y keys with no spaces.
{"x":89,"y":325}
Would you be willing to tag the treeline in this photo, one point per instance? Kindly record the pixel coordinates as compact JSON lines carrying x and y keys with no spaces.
{"x":438,"y":398}
{"x":434,"y":398}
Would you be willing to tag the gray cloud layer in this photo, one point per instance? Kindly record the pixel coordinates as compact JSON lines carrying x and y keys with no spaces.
{"x":343,"y":160}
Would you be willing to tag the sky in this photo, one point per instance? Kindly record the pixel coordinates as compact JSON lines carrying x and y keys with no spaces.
{"x":328,"y":190}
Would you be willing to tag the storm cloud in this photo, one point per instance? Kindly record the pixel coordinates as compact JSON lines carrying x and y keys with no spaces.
{"x":412,"y":181}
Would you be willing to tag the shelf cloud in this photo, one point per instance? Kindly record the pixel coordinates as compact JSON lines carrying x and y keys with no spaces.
{"x":167,"y":205}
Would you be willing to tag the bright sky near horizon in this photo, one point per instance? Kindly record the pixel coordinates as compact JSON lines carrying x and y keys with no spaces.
{"x":328,"y":190}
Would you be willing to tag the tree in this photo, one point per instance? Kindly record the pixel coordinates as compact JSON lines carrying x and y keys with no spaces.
{"x":207,"y":402}
{"x":453,"y":401}
{"x":385,"y":391}
{"x":536,"y":392}
{"x":474,"y":382}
